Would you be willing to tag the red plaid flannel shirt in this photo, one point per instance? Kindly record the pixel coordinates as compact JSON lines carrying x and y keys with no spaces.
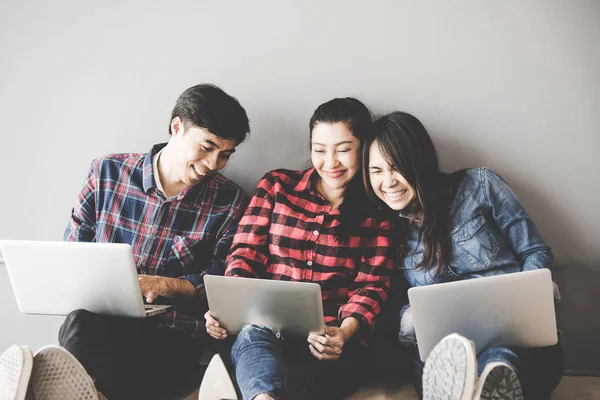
{"x":288,"y":233}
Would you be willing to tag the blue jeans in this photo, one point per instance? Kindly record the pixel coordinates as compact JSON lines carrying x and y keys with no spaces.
{"x":539,"y":369}
{"x":265,"y":363}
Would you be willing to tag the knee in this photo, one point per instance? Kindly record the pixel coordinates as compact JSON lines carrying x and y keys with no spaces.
{"x":75,"y":325}
{"x":77,"y":320}
{"x":253,"y":332}
{"x":257,"y":336}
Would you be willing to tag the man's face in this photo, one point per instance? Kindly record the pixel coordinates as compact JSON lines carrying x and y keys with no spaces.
{"x":197,"y":152}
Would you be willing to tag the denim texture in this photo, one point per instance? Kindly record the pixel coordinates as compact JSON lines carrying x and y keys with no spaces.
{"x":491,"y":234}
{"x":266,"y":363}
{"x":260,"y":368}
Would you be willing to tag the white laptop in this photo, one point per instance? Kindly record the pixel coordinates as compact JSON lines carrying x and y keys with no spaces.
{"x":58,"y":277}
{"x":511,"y":309}
{"x":294,"y":308}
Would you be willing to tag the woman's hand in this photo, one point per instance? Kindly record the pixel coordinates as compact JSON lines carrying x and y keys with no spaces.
{"x":328,"y":346}
{"x":331,"y":345}
{"x":213,"y":328}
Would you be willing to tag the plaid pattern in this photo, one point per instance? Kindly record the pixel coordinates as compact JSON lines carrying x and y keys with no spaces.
{"x":186,"y":236}
{"x":288,"y":234}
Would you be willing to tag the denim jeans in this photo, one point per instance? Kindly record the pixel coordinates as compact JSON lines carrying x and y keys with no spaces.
{"x":265,"y":363}
{"x":539,"y":369}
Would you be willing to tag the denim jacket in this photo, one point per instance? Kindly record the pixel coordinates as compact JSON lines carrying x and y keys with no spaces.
{"x":491,"y":234}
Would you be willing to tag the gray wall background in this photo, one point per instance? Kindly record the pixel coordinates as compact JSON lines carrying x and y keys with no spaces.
{"x":513,"y":85}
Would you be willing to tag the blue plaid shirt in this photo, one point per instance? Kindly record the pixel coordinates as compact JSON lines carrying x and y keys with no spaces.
{"x":185,"y":236}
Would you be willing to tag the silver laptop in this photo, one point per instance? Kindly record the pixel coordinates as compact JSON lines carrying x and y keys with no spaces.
{"x":512,"y":309}
{"x":294,"y":308}
{"x":58,"y":277}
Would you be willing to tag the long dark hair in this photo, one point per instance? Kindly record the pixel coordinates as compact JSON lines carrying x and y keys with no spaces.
{"x":406,"y":145}
{"x":357,"y":117}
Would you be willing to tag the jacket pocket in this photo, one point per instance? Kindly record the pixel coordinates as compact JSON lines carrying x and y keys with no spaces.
{"x":193,"y":254}
{"x":410,"y":260}
{"x":477,"y":243}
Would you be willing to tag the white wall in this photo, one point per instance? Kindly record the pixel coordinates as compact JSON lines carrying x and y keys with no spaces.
{"x":514,"y":85}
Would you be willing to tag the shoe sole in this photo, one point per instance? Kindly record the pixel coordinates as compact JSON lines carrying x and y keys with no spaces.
{"x":450,"y":370}
{"x":15,"y":370}
{"x":58,"y":375}
{"x":500,"y":382}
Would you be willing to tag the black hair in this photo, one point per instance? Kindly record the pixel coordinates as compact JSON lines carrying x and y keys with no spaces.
{"x":207,"y":106}
{"x":406,"y":146}
{"x":357,"y":117}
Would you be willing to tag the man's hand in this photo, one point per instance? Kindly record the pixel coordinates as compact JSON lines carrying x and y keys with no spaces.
{"x":153,"y":286}
{"x":213,"y":328}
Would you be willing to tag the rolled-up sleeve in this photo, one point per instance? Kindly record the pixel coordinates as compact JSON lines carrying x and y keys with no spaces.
{"x":222,"y":245}
{"x":369,"y":290}
{"x":249,"y":253}
{"x":82,"y":224}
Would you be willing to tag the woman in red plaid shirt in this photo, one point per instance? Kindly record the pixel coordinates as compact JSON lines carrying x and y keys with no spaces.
{"x":314,"y":226}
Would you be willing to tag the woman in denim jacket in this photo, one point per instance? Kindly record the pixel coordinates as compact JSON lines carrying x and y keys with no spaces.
{"x":464,"y":225}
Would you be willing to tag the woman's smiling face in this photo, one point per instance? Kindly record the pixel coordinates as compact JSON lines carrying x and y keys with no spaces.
{"x":387,"y":183}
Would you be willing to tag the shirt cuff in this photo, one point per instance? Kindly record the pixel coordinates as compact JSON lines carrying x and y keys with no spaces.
{"x":198,"y":283}
{"x":363,"y":323}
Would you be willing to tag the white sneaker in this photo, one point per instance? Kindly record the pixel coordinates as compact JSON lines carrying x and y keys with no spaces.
{"x":498,"y":381}
{"x":15,"y":370}
{"x":450,"y":370}
{"x":57,"y":375}
{"x":216,"y":384}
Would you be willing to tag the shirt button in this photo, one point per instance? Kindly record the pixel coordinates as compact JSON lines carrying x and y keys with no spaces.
{"x":316,"y":232}
{"x":309,"y":263}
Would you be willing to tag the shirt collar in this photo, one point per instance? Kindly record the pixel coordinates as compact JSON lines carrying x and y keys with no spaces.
{"x":148,"y":172}
{"x":308,"y":181}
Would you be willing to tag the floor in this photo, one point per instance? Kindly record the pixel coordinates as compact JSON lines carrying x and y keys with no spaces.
{"x":570,"y":388}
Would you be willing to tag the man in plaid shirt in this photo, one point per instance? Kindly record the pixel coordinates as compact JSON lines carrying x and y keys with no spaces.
{"x":179,"y":215}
